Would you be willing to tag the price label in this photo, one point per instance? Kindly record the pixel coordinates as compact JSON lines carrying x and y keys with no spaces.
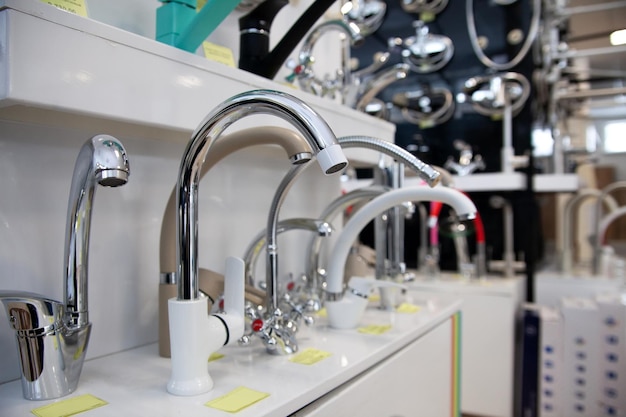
{"x":73,"y":6}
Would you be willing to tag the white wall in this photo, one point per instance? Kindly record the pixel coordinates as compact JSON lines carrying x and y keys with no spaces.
{"x":36,"y":165}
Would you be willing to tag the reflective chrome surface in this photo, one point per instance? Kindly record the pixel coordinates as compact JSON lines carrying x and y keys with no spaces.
{"x":426,"y":52}
{"x":326,"y":86}
{"x":368,"y":15}
{"x":52,"y":337}
{"x":313,"y":128}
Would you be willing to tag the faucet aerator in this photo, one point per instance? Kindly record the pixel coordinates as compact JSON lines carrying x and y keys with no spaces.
{"x":112,"y":178}
{"x":331,"y":159}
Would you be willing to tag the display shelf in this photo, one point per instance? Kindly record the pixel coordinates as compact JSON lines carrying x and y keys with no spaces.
{"x":497,"y":181}
{"x":60,"y":68}
{"x":133,"y":382}
{"x":490,"y":307}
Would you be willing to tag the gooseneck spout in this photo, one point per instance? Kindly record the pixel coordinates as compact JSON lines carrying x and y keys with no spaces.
{"x":254,"y":53}
{"x":345,"y":312}
{"x":567,"y":259}
{"x":319,"y":227}
{"x":52,"y":337}
{"x":312,"y":127}
{"x":304,"y":70}
{"x":188,"y":312}
{"x":102,"y":160}
{"x":211,"y":283}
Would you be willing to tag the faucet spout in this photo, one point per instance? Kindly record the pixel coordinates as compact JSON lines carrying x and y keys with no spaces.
{"x":336,"y":306}
{"x":312,"y":127}
{"x":52,"y":336}
{"x":188,"y":312}
{"x":102,"y":160}
{"x":319,"y":227}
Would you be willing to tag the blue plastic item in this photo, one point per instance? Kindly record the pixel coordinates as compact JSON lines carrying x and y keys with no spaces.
{"x":180,"y":25}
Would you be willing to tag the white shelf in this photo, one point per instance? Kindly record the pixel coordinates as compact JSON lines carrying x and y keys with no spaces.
{"x":58,"y":68}
{"x":493,"y":182}
{"x":133,"y":382}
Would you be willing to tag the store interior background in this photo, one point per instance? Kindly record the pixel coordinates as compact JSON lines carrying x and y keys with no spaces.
{"x":134,"y":272}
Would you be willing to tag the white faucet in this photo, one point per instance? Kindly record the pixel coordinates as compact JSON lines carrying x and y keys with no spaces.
{"x":345,"y":310}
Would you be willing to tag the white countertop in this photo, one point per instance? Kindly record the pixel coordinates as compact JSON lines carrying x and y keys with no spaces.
{"x":454,"y":283}
{"x":133,"y":382}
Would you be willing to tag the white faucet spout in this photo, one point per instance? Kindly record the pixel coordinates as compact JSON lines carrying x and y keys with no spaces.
{"x":463,"y":206}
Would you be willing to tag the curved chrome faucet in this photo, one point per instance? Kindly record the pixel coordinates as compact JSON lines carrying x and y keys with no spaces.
{"x":508,"y":257}
{"x":566,"y":234}
{"x":299,"y":114}
{"x":368,"y":15}
{"x":274,"y":316}
{"x":321,"y":228}
{"x":326,"y":87}
{"x":188,"y":312}
{"x":368,"y":90}
{"x":598,"y":217}
{"x":275,"y":327}
{"x":296,"y":148}
{"x":52,"y":337}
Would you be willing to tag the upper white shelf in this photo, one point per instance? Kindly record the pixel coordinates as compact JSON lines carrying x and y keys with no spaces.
{"x":60,"y":68}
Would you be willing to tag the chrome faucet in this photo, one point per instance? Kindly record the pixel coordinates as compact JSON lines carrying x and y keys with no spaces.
{"x":303,"y":70}
{"x":424,"y":171}
{"x":468,"y":162}
{"x":52,"y":337}
{"x":567,"y":258}
{"x":297,"y":150}
{"x":595,"y":238}
{"x":319,"y":227}
{"x":275,"y":322}
{"x":188,"y":312}
{"x":362,"y":93}
{"x":508,"y":265}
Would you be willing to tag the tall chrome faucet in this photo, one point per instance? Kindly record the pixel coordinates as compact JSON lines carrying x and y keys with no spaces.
{"x":188,"y":312}
{"x":325,"y":87}
{"x":52,"y":336}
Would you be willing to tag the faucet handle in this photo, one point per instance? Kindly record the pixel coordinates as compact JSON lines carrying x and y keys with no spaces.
{"x":29,"y":311}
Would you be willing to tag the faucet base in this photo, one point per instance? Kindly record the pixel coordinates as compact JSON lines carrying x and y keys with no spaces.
{"x":51,"y":354}
{"x":190,"y":347}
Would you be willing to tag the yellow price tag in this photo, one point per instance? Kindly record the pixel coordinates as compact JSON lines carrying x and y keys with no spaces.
{"x":218,"y":53}
{"x":70,"y":406}
{"x":73,"y":6}
{"x":310,"y":356}
{"x":374,"y":297}
{"x":376,"y":329}
{"x":407,"y":308}
{"x":237,"y":400}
